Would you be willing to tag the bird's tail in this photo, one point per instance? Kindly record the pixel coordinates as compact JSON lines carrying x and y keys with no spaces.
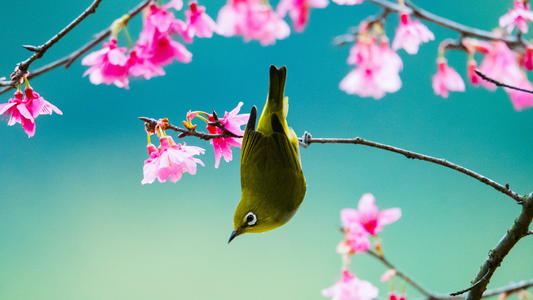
{"x":276,"y":103}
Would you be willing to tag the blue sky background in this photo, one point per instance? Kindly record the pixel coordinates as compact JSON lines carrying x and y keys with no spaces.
{"x":75,"y":222}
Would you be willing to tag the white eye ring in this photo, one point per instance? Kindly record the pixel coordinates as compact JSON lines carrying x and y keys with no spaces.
{"x":250,"y":219}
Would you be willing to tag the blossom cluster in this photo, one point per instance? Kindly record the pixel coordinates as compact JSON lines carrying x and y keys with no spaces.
{"x":358,"y":226}
{"x":170,"y":160}
{"x":24,"y":108}
{"x":378,"y":65}
{"x":155,"y":48}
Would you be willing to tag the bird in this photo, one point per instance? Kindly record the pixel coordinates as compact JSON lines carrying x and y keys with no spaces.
{"x":272,"y":181}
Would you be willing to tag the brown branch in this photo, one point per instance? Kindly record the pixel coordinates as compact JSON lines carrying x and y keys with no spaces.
{"x":518,"y":230}
{"x":307,"y":140}
{"x":438,"y":20}
{"x":72,"y":57}
{"x":509,"y":289}
{"x":407,"y":279}
{"x":184,"y":132}
{"x":501,"y":84}
{"x":512,"y":288}
{"x":472,"y":286}
{"x":39,"y":51}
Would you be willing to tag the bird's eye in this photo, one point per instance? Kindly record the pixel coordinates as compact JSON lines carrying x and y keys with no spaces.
{"x":250,"y":219}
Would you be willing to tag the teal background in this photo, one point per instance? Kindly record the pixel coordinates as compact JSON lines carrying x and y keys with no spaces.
{"x":75,"y":222}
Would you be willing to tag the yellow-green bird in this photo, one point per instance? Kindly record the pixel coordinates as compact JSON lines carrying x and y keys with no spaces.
{"x":272,"y":181}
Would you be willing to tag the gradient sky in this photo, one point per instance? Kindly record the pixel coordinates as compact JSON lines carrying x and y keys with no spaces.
{"x":75,"y":222}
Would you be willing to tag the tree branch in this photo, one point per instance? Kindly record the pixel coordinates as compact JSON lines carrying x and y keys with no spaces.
{"x":307,"y":140}
{"x":39,"y":51}
{"x":438,"y":20}
{"x":509,"y":289}
{"x":407,"y":279}
{"x":518,"y":230}
{"x":152,"y":123}
{"x":72,"y":57}
{"x":501,"y":84}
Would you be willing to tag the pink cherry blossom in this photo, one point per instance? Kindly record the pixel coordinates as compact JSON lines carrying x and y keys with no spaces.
{"x":348,"y":2}
{"x":38,"y":106}
{"x":143,"y":67}
{"x":471,"y":68}
{"x":368,"y":215}
{"x":299,"y":10}
{"x":396,"y":296}
{"x":155,"y":42}
{"x":377,"y":70}
{"x":17,"y":110}
{"x":232,"y":121}
{"x":151,"y":165}
{"x":446,"y":79}
{"x":521,"y":100}
{"x":410,"y":34}
{"x":518,"y":17}
{"x":388,"y":275}
{"x":527,"y":60}
{"x":24,"y":108}
{"x":198,"y":23}
{"x":164,"y":50}
{"x":355,"y":240}
{"x":252,"y":19}
{"x":350,"y":287}
{"x":176,"y":159}
{"x":108,"y":65}
{"x":501,"y":64}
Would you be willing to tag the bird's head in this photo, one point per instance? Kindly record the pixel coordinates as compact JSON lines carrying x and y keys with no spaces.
{"x":257,"y":216}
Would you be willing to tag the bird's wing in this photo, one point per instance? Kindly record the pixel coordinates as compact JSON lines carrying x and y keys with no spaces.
{"x":270,"y":157}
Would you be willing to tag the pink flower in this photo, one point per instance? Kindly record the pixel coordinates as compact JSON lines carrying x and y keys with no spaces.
{"x":348,"y":2}
{"x":368,"y":215}
{"x":377,"y":70}
{"x":388,"y":275}
{"x":176,"y":159}
{"x":527,"y":60}
{"x":299,"y":10}
{"x":500,"y":64}
{"x":108,"y":65}
{"x":518,"y":17}
{"x":170,"y":161}
{"x":253,"y":19}
{"x":355,"y":240}
{"x":446,"y":79}
{"x":151,"y":165}
{"x":39,"y":106}
{"x":395,"y":296}
{"x":232,"y":121}
{"x":471,"y":68}
{"x":142,"y":67}
{"x":521,"y":100}
{"x":350,"y":287}
{"x":410,"y":34}
{"x":155,"y":43}
{"x":25,"y":108}
{"x":198,"y":23}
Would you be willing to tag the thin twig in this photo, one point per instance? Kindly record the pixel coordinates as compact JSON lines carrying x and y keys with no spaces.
{"x":413,"y":155}
{"x":472,"y":286}
{"x":501,"y":84}
{"x":184,"y":132}
{"x":72,"y":57}
{"x":509,"y":289}
{"x":407,"y":279}
{"x":39,"y":51}
{"x":465,"y":31}
{"x":518,"y":230}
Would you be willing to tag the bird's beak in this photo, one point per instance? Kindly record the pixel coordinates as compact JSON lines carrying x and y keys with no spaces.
{"x":233,"y":235}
